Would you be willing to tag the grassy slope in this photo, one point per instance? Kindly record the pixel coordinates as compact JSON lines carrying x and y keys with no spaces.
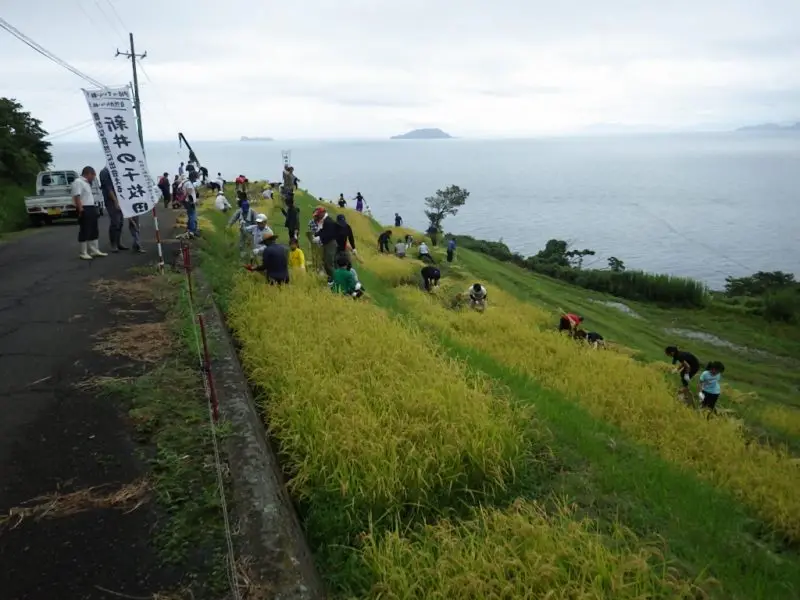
{"x":610,"y":477}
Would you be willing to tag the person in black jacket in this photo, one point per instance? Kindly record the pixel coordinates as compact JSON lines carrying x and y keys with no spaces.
{"x":345,"y":236}
{"x":292,"y":223}
{"x":383,"y":241}
{"x":430,"y":278}
{"x":275,"y":260}
{"x":326,"y":237}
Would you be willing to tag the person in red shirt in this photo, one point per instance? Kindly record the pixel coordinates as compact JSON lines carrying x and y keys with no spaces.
{"x":570,"y":322}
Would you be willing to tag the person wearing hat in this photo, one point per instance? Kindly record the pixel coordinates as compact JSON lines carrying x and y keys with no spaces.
{"x":257,"y":231}
{"x":326,"y":237}
{"x":274,"y":259}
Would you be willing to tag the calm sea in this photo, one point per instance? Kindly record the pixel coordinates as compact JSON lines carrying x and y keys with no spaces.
{"x":701,"y":205}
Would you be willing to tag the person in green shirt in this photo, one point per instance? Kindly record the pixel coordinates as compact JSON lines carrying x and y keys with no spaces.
{"x":344,"y":280}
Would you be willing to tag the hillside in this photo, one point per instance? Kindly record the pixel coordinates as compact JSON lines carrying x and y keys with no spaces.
{"x":423,"y":439}
{"x":423,"y":134}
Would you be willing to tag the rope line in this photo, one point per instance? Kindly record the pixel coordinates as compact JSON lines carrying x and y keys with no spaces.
{"x":201,"y":346}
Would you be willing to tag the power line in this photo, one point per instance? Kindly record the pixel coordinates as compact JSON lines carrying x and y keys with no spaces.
{"x":46,"y":53}
{"x":116,"y":14}
{"x":74,"y":128}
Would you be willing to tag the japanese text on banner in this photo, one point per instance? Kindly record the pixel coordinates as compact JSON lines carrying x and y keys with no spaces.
{"x":114,"y":118}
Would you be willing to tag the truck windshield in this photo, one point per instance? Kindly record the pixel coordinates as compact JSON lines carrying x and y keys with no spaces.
{"x":54,"y":179}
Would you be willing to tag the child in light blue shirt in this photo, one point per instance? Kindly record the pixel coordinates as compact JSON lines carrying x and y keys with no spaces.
{"x":709,"y":384}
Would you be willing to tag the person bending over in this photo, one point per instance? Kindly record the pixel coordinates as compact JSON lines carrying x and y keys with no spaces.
{"x":688,"y":365}
{"x":383,"y":241}
{"x":430,"y":278}
{"x":478,"y":297}
{"x":709,"y":385}
{"x":569,"y":322}
{"x":274,"y":260}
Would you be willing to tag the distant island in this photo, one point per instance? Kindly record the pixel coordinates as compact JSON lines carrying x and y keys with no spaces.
{"x":424,"y":134}
{"x":770,"y":127}
{"x":256,"y":139}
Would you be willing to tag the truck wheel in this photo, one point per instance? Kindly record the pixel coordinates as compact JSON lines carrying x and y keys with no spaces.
{"x":36,"y":220}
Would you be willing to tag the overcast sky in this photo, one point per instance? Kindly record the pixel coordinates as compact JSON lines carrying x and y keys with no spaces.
{"x":374,"y":68}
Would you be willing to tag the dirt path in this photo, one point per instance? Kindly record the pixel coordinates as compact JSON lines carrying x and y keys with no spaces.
{"x":56,"y":436}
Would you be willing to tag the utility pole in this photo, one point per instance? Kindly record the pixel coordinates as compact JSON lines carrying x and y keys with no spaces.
{"x":136,"y":104}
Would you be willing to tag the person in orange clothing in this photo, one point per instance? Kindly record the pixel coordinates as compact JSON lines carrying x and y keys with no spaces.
{"x":569,"y":322}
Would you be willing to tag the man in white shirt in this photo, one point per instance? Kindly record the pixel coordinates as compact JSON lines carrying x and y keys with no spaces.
{"x":221,"y":202}
{"x":424,"y":253}
{"x":86,"y":205}
{"x":191,"y":205}
{"x":477,"y":297}
{"x":267,"y":193}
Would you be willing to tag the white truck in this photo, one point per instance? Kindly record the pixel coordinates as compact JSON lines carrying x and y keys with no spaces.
{"x":53,"y":199}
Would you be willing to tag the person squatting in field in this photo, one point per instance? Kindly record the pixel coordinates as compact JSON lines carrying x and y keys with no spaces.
{"x":274,"y":260}
{"x":430,"y":278}
{"x":345,"y":279}
{"x":594,"y":339}
{"x":425,"y":253}
{"x":569,"y":322}
{"x":478,"y":297}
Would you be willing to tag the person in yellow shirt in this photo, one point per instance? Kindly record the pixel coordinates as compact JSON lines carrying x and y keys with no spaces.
{"x":297,"y":260}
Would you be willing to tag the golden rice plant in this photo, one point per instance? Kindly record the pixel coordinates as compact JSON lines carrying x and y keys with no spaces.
{"x":521,"y":552}
{"x":371,"y":419}
{"x":394,"y":271}
{"x":634,"y":397}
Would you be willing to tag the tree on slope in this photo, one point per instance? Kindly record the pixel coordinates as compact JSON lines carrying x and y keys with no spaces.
{"x":445,"y":202}
{"x":23,"y":151}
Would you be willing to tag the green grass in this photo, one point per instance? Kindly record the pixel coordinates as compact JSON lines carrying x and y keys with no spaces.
{"x":704,"y":530}
{"x":167,"y":408}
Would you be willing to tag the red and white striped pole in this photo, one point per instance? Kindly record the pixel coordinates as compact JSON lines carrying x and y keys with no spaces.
{"x":158,"y":242}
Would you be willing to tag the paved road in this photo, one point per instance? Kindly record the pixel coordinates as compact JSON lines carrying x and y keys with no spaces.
{"x":54,"y":436}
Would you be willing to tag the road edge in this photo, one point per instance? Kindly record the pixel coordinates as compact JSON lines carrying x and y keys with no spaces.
{"x":270,"y":536}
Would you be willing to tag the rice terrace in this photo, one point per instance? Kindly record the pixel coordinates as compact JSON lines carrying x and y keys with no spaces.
{"x":434,"y":451}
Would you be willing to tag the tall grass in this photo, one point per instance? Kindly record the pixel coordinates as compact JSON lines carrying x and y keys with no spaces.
{"x":522,"y":552}
{"x":646,"y":287}
{"x":631,"y":395}
{"x":12,"y":207}
{"x":372,"y":421}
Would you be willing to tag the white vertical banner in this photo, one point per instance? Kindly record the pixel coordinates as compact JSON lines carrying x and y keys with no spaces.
{"x":115,"y":120}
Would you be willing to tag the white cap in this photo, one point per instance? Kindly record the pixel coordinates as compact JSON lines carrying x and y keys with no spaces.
{"x":261,"y":218}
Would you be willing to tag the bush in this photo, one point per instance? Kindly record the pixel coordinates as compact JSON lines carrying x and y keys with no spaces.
{"x":783,"y":305}
{"x":12,"y":208}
